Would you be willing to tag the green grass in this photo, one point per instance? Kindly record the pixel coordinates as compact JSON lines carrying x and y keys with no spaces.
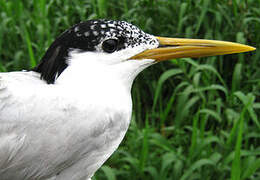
{"x":192,"y":118}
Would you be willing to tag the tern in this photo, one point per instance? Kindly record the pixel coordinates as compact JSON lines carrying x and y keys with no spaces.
{"x":64,"y":118}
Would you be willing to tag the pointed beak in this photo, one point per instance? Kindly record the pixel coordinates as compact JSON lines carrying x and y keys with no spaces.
{"x":172,"y":48}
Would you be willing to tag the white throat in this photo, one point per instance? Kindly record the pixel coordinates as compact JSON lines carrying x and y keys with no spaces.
{"x":84,"y":69}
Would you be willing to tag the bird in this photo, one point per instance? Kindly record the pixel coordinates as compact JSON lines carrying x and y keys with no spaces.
{"x":64,"y":118}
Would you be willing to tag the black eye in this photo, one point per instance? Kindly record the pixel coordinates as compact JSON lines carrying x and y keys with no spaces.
{"x":110,"y":45}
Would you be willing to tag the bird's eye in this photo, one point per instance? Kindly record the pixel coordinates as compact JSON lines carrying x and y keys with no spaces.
{"x":110,"y":45}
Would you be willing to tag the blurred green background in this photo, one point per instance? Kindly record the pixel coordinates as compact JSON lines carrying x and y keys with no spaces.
{"x":192,"y":118}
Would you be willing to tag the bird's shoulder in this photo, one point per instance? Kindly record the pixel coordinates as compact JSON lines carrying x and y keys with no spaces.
{"x":27,"y":77}
{"x":13,"y":85}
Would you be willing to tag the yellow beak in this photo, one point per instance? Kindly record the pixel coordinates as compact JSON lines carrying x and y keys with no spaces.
{"x":172,"y":48}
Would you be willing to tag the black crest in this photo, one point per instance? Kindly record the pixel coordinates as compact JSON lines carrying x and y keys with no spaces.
{"x":85,"y":36}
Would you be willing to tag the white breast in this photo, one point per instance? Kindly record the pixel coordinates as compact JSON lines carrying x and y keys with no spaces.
{"x":49,"y":130}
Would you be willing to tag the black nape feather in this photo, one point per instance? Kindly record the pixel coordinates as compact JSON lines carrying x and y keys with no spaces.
{"x":52,"y":64}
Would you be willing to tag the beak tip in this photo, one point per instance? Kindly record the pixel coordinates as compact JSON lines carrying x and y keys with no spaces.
{"x":252,"y":48}
{"x":248,"y":48}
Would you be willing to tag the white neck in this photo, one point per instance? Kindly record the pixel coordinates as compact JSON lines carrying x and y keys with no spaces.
{"x":85,"y":72}
{"x":104,"y":87}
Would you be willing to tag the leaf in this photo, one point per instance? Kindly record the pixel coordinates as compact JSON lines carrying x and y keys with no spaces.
{"x":254,"y":166}
{"x":248,"y":101}
{"x":166,"y":75}
{"x":109,"y":173}
{"x":211,"y":113}
{"x":202,"y":15}
{"x":198,"y":164}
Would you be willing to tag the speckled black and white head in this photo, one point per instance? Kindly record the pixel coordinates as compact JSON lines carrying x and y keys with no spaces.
{"x":106,"y":41}
{"x":118,"y":49}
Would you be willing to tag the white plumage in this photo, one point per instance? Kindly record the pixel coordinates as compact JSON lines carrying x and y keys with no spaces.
{"x":74,"y":124}
{"x":63,"y":120}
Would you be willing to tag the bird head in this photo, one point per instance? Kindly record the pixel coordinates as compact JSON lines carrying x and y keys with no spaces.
{"x":118,"y":48}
